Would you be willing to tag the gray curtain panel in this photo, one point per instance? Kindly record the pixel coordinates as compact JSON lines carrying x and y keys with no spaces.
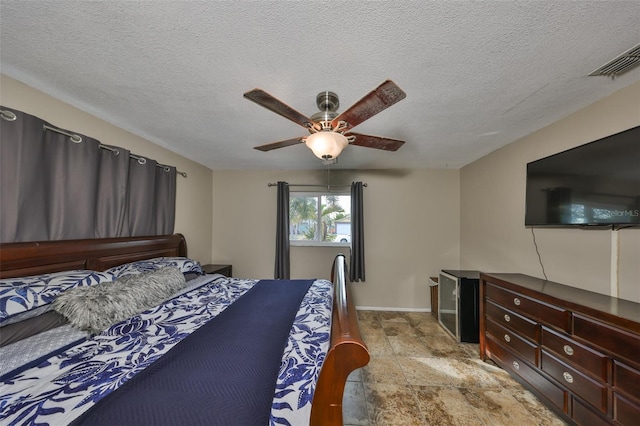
{"x":283,"y":267}
{"x":142,"y":177}
{"x":165,"y":200}
{"x":357,"y":272}
{"x":52,"y":188}
{"x":111,"y":204}
{"x":22,"y":162}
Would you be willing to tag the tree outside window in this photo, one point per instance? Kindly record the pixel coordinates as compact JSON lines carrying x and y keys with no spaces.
{"x":320,"y":217}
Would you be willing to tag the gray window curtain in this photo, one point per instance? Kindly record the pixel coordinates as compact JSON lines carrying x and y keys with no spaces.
{"x":151,"y":198}
{"x":283,"y":267}
{"x":111,"y":212}
{"x":357,"y":272}
{"x":52,"y":188}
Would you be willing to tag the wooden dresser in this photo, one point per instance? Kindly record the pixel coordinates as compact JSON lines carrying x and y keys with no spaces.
{"x":578,"y":351}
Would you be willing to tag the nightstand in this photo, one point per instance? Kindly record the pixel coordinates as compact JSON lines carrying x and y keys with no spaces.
{"x":217,"y":269}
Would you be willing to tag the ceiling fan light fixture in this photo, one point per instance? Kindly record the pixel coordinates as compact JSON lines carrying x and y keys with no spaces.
{"x":326,"y":145}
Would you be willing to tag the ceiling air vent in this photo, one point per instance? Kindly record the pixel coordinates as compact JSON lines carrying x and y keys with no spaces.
{"x":623,"y":63}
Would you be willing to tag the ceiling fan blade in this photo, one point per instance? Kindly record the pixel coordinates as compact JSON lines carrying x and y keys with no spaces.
{"x":281,"y":144}
{"x":264,"y":99}
{"x":376,"y":142}
{"x":385,"y":95}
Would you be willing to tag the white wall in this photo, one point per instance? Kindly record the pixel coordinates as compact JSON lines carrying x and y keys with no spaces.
{"x":193,"y":205}
{"x":411,"y":230}
{"x":493,"y":235}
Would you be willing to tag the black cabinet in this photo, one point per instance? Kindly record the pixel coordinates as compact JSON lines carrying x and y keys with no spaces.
{"x":217,"y":269}
{"x":458,"y":304}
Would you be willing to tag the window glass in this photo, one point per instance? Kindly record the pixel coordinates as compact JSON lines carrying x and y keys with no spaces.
{"x":319,"y":218}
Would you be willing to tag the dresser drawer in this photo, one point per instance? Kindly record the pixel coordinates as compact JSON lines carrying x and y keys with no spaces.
{"x":585,"y":416}
{"x":549,"y":314}
{"x":595,"y":393}
{"x":509,"y":319}
{"x":626,"y":379}
{"x":508,"y":338}
{"x":578,"y":355}
{"x":614,"y":339}
{"x":542,"y":386}
{"x":625,"y":411}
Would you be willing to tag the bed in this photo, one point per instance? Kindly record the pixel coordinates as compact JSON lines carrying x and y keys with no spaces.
{"x":181,"y":361}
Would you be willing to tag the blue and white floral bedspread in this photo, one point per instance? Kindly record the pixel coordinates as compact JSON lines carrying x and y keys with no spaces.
{"x":68,"y":384}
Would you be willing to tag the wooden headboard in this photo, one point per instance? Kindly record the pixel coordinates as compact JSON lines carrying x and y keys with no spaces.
{"x":40,"y":257}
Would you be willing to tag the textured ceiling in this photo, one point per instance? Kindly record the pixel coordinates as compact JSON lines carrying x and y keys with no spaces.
{"x":478,"y":75}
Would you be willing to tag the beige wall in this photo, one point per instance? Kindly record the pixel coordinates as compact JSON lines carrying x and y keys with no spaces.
{"x":493,"y":236}
{"x":193,"y":210}
{"x":411,"y":230}
{"x":417,"y":221}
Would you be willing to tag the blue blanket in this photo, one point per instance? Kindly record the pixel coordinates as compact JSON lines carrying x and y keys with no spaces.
{"x":222,"y":374}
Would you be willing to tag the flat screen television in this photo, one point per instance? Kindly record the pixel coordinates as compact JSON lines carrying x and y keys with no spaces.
{"x":596,"y":184}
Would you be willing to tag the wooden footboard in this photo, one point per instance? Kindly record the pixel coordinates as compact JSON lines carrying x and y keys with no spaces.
{"x":347,"y":352}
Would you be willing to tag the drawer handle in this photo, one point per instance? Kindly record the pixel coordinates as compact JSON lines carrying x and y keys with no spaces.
{"x":507,"y":338}
{"x":516,"y":365}
{"x":568,"y":377}
{"x":507,"y":318}
{"x":568,"y":350}
{"x":516,"y":301}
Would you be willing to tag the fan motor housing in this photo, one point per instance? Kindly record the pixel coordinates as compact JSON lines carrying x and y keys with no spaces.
{"x":328,"y":104}
{"x":327,"y":101}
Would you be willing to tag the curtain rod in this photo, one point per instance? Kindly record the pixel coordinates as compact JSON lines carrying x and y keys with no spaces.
{"x":78,"y":139}
{"x":316,"y":185}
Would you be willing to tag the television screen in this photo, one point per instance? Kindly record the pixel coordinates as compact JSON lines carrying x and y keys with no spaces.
{"x":593,"y":184}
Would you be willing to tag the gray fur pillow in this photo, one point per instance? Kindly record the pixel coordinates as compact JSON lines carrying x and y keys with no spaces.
{"x":97,"y":307}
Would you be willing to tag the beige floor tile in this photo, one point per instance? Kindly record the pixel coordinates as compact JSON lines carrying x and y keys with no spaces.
{"x":392,"y":316}
{"x":408,"y":346}
{"x":377,"y":342}
{"x":444,"y":346}
{"x":539,"y":411}
{"x":429,"y":326}
{"x":416,"y":317}
{"x":429,"y":371}
{"x":373,"y":326}
{"x":445,"y":406}
{"x":398,"y":328}
{"x":367,"y":316}
{"x":432,"y":371}
{"x":392,"y":405}
{"x":419,"y":375}
{"x":498,"y":407}
{"x":383,"y":369}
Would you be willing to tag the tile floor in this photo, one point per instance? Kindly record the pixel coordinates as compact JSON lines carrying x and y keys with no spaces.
{"x":418,"y":375}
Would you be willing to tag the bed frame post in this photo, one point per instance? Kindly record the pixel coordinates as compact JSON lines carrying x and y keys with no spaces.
{"x":347,"y":352}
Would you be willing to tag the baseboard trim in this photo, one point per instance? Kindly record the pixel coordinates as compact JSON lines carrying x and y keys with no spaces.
{"x":395,"y":309}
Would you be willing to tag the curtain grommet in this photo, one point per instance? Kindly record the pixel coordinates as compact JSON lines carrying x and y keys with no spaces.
{"x":8,"y":115}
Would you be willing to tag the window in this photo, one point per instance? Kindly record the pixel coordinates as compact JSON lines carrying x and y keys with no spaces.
{"x":319,"y":218}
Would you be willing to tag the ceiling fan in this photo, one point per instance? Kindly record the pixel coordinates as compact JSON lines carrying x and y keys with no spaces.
{"x":330,"y":131}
